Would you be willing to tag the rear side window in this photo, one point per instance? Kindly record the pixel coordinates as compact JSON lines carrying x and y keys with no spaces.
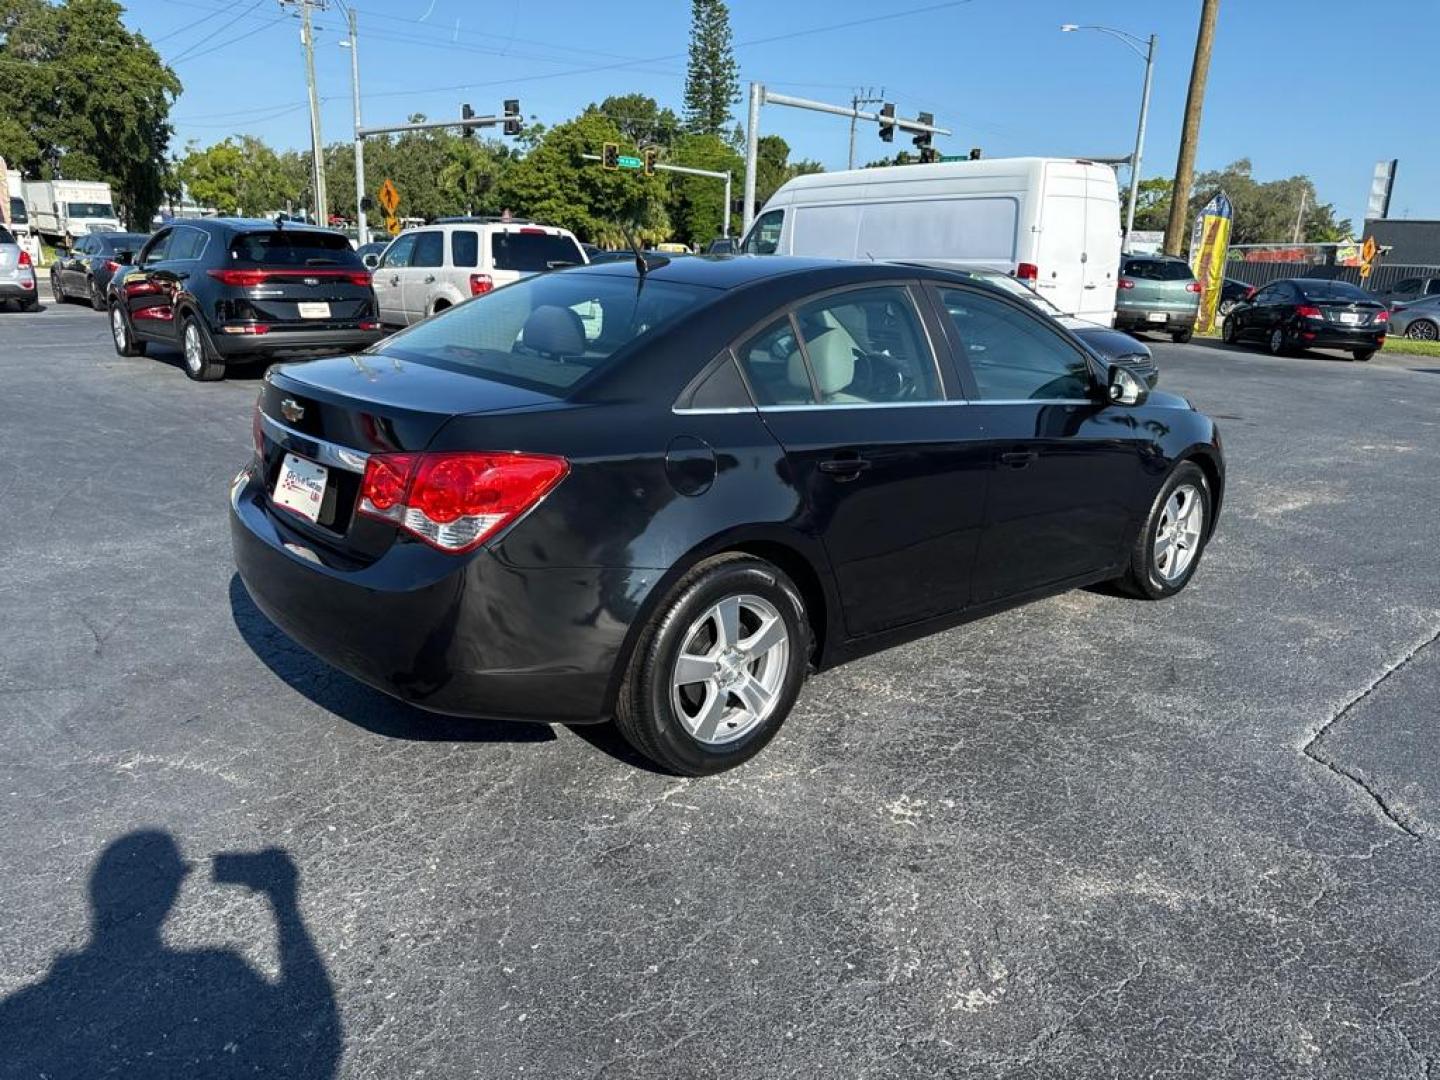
{"x":1158,"y":270}
{"x":775,"y":366}
{"x":187,"y":244}
{"x":866,"y":345}
{"x":1432,"y":287}
{"x":465,"y":248}
{"x":293,"y":247}
{"x":429,"y":249}
{"x":532,"y":252}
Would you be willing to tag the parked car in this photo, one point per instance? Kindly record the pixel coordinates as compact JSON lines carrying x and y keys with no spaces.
{"x":1231,"y":293}
{"x":230,"y":290}
{"x":430,"y":269}
{"x":1113,"y":346}
{"x":1052,"y":222}
{"x":370,"y":253}
{"x":1310,"y":313}
{"x":17,"y":273}
{"x":84,"y":272}
{"x":1408,"y":290}
{"x":1157,"y":292}
{"x":1419,"y":320}
{"x":745,"y":468}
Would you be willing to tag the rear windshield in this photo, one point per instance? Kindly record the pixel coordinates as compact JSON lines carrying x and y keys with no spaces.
{"x":1333,"y":290}
{"x":5,"y":237}
{"x":123,"y":241}
{"x":545,"y":332}
{"x":532,"y":252}
{"x":293,"y":247}
{"x":18,"y":213}
{"x":1158,"y":270}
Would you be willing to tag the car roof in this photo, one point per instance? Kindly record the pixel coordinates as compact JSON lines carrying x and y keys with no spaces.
{"x":728,"y":271}
{"x":247,"y":225}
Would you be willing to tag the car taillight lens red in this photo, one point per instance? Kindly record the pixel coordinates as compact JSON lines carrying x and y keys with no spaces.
{"x":456,"y":501}
{"x":1194,"y":286}
{"x":112,"y":265}
{"x":481,"y":283}
{"x":1308,"y":311}
{"x":1382,"y":316}
{"x":25,"y":258}
{"x":246,"y":279}
{"x":1250,"y":292}
{"x":1028,"y":273}
{"x":1125,"y":283}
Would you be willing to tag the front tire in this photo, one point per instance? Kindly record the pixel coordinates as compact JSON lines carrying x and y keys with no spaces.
{"x":201,"y":363}
{"x":718,"y":669}
{"x":1167,"y":549}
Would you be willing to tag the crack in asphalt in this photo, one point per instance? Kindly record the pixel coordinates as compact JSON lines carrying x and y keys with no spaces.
{"x":1310,"y":749}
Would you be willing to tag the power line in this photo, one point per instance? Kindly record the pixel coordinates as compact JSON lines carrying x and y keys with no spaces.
{"x":184,"y":53}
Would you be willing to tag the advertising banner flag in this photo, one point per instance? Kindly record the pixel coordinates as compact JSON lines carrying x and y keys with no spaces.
{"x":1209,"y":245}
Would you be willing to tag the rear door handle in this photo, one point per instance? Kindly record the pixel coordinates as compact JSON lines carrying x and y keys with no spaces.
{"x":1018,"y":459}
{"x":844,"y":468}
{"x":429,"y":279}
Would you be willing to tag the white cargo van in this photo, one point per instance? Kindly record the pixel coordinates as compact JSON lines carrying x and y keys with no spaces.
{"x":1052,"y":222}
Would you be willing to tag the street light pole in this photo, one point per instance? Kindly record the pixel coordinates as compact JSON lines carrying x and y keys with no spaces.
{"x":362,"y":228}
{"x":1133,"y":43}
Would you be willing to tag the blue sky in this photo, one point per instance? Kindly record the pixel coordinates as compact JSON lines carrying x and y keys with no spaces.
{"x":1322,"y":87}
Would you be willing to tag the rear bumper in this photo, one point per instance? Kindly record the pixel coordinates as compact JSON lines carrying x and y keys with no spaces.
{"x":17,"y":289}
{"x":1332,"y":337}
{"x":294,"y":342}
{"x":1164,"y":320}
{"x":466,"y":636}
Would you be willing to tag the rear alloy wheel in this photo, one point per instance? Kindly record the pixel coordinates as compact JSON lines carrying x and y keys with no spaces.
{"x":718,"y":670}
{"x":201,"y":363}
{"x":56,"y":290}
{"x":1422,"y":330}
{"x":125,"y":342}
{"x":97,"y":298}
{"x":1276,"y":342}
{"x":1228,"y":332}
{"x":1168,"y":547}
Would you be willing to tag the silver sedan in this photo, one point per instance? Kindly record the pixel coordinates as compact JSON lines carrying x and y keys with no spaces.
{"x":1419,"y":320}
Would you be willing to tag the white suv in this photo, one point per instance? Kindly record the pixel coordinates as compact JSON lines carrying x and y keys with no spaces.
{"x":429,"y":269}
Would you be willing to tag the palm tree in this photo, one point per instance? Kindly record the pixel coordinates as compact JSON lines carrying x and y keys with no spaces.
{"x":467,"y":173}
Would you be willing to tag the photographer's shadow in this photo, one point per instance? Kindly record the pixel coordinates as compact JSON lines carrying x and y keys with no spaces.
{"x":130,"y":1006}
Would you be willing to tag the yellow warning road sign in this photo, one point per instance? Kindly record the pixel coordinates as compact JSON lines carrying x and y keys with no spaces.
{"x":389,"y":197}
{"x":392,"y":225}
{"x":1367,"y":253}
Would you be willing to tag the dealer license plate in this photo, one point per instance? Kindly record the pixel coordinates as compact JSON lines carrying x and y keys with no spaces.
{"x":1156,"y":316}
{"x":314,"y":309}
{"x":301,"y":487}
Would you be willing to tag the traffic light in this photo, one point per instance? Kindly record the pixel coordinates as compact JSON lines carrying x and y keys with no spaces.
{"x":887,"y":131}
{"x":923,"y":138}
{"x":650,"y":161}
{"x":467,"y":113}
{"x":975,"y":153}
{"x":513,"y":123}
{"x":610,"y":156}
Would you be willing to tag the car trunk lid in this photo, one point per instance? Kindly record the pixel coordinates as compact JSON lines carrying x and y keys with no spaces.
{"x":295,"y":280}
{"x":337,"y":412}
{"x":1349,"y":313}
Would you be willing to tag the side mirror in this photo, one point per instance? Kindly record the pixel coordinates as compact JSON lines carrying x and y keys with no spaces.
{"x":371,"y":260}
{"x":1125,"y":388}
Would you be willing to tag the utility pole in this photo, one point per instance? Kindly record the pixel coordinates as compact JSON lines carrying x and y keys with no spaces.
{"x":362,"y":229}
{"x":855,"y":102}
{"x":317,"y":144}
{"x":1300,"y":217}
{"x":1190,"y":133}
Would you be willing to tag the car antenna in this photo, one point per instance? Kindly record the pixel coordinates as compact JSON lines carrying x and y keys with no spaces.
{"x":642,"y":264}
{"x":279,"y":222}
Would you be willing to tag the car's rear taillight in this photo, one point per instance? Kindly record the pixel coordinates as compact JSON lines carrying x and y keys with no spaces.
{"x":1028,"y":273}
{"x":1194,"y":286}
{"x":25,"y":258}
{"x":1308,"y":311}
{"x":246,"y":279}
{"x":456,"y":501}
{"x":1125,"y":283}
{"x":1382,"y":316}
{"x":1250,"y":292}
{"x":481,"y":283}
{"x":111,"y":265}
{"x":369,"y":324}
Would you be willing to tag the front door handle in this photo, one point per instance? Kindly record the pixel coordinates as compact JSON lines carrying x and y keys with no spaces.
{"x":394,"y":279}
{"x":429,"y":279}
{"x":1018,"y":459}
{"x":844,"y":468}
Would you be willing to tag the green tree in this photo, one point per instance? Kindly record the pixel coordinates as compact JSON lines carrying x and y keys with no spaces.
{"x":1152,"y":204}
{"x":81,"y":92}
{"x":697,"y":203}
{"x":641,"y":120}
{"x":552,"y":183}
{"x":239,"y":176}
{"x":1266,"y":212}
{"x":773,"y":167}
{"x":712,"y":81}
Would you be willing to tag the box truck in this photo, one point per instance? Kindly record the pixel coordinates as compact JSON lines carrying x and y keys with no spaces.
{"x":1054,"y":223}
{"x":61,"y":209}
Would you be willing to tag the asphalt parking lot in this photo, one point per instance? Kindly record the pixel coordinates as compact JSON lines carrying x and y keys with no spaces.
{"x":1091,"y":837}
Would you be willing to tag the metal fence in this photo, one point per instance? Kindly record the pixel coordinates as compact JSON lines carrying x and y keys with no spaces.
{"x":1382,"y":278}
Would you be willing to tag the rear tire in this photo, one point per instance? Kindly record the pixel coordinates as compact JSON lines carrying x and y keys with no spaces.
{"x":1276,"y":343}
{"x":57,"y":290}
{"x":1166,"y":551}
{"x":122,"y":335}
{"x":201,"y":363}
{"x":1363,"y":355}
{"x":33,"y":304}
{"x":1229,"y":332}
{"x":1182,"y":337}
{"x":736,"y":624}
{"x":97,"y":298}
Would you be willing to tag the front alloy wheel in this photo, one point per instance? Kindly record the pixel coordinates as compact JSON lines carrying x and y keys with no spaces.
{"x":1178,"y":532}
{"x":718,"y":668}
{"x":1166,"y":550}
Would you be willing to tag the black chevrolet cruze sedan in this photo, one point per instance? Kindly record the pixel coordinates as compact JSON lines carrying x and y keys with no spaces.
{"x":663,"y":497}
{"x":1295,"y":314}
{"x":231,"y":290}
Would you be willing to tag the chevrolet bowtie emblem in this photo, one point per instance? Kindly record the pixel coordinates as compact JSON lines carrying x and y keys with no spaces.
{"x":292,"y":410}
